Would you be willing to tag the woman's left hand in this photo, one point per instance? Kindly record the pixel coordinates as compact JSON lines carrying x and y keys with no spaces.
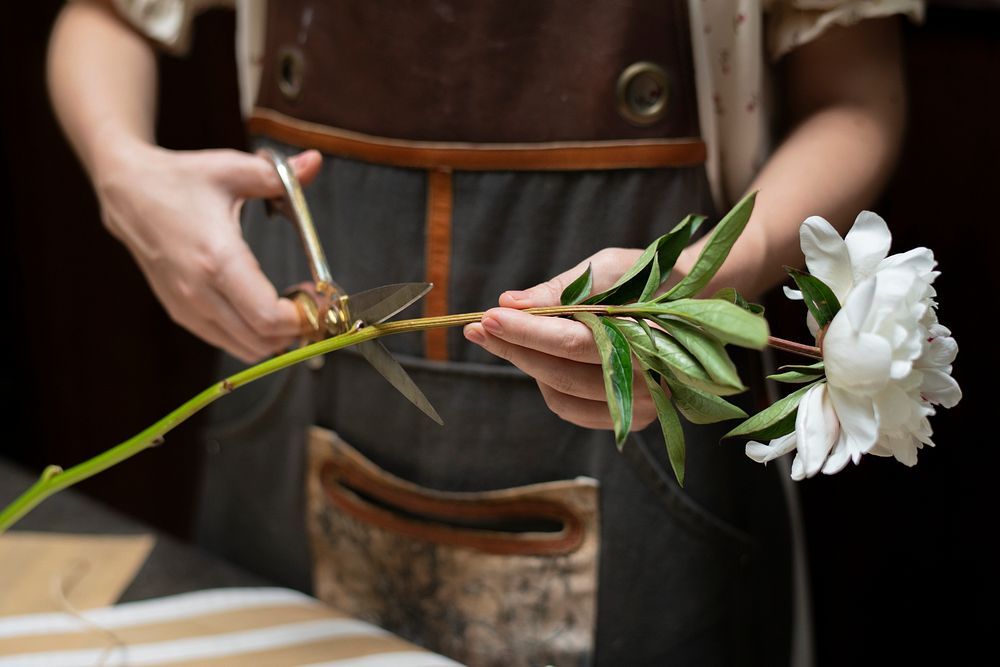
{"x":559,"y":353}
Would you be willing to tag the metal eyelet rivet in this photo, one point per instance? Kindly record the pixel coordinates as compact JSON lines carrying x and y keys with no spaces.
{"x":291,"y":68}
{"x":642,"y":93}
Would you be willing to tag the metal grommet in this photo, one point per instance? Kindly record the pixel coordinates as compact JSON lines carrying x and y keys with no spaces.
{"x":642,"y":93}
{"x":291,"y":67}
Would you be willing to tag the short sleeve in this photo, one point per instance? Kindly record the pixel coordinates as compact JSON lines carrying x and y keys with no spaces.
{"x":792,"y":23}
{"x":166,"y":22}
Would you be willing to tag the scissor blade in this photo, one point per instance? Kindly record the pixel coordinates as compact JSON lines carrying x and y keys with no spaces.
{"x":380,"y":303}
{"x":389,"y":368}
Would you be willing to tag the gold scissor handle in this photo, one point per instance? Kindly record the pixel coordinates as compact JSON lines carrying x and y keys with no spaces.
{"x":323,"y":304}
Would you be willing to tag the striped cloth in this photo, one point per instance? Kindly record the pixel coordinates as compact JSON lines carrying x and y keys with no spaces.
{"x":246,"y":626}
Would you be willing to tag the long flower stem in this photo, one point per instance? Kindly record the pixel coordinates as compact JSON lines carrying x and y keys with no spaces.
{"x":795,"y":348}
{"x":54,"y":478}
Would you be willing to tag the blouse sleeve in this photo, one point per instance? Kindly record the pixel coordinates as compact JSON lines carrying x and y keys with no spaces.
{"x":166,"y":22}
{"x":792,"y":23}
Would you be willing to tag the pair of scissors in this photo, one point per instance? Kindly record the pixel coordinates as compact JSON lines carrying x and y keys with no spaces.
{"x":327,"y":310}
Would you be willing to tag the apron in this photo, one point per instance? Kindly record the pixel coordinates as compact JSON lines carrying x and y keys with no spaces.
{"x":487,"y":146}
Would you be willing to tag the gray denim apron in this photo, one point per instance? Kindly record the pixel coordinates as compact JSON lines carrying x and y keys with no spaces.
{"x":488,"y":146}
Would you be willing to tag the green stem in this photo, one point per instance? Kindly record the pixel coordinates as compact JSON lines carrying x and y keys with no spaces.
{"x":54,"y":479}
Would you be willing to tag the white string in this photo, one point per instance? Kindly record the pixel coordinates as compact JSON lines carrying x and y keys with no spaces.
{"x":62,"y":585}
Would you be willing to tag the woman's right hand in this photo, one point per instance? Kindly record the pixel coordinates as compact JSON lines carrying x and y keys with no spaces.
{"x":178,"y":214}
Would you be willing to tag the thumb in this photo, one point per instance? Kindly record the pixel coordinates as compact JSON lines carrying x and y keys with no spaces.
{"x":254,"y":176}
{"x":543,"y":294}
{"x":306,"y":165}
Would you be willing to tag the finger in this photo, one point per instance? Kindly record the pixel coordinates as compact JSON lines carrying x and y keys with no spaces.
{"x":556,"y":336}
{"x":543,"y":294}
{"x":218,"y":309}
{"x":194,"y":310}
{"x":580,"y":411}
{"x":306,"y":165}
{"x":595,"y":414}
{"x":569,"y":377}
{"x":245,"y":286}
{"x":214,"y":335}
{"x":607,"y":266}
{"x":253,"y":176}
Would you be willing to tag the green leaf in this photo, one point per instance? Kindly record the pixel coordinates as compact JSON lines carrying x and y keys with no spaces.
{"x":665,"y":250}
{"x":798,"y":374}
{"x":774,"y":421}
{"x":701,"y":407}
{"x":732,"y":296}
{"x":653,"y":281}
{"x":725,"y":321}
{"x":814,"y":369}
{"x":706,"y":349}
{"x":715,"y":251}
{"x":579,"y":289}
{"x":673,"y":433}
{"x":819,"y":298}
{"x":792,"y":377}
{"x":616,"y":362}
{"x":646,"y":328}
{"x":663,"y":354}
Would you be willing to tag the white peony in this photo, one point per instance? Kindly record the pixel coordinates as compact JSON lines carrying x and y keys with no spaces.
{"x":887,"y":359}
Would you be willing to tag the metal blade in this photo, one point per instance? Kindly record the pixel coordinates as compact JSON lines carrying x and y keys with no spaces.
{"x":380,"y":303}
{"x":389,"y":368}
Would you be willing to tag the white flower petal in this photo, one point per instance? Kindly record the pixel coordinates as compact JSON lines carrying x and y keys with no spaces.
{"x":826,"y":255}
{"x":816,"y":428}
{"x":867,"y":244}
{"x":798,"y":470}
{"x":940,"y":388}
{"x":903,"y":448}
{"x":900,"y":368}
{"x":812,"y":325}
{"x":762,"y":453}
{"x":919,"y":261}
{"x":857,"y":418}
{"x":793,"y":294}
{"x":880,"y":449}
{"x":859,"y":303}
{"x":941,"y":352}
{"x":935,"y":328}
{"x":839,"y":456}
{"x":893,"y":292}
{"x":859,"y":362}
{"x":895,"y":409}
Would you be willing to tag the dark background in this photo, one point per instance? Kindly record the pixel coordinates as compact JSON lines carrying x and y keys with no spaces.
{"x":902,"y":570}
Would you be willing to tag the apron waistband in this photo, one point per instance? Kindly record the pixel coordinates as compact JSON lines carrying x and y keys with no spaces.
{"x":541,"y":156}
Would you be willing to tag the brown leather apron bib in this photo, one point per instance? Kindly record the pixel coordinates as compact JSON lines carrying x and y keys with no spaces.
{"x":486,"y":146}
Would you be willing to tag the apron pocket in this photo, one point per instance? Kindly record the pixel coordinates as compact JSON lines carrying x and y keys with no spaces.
{"x":500,"y":577}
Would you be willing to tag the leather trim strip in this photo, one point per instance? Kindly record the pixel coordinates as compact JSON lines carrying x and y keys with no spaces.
{"x":341,"y":478}
{"x":560,"y":156}
{"x":438,"y":259}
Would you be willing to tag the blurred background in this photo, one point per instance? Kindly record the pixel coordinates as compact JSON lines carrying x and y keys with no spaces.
{"x":901,"y":562}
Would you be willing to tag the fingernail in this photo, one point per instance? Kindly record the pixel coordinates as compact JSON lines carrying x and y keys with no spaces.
{"x":492,"y":325}
{"x":472,"y":333}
